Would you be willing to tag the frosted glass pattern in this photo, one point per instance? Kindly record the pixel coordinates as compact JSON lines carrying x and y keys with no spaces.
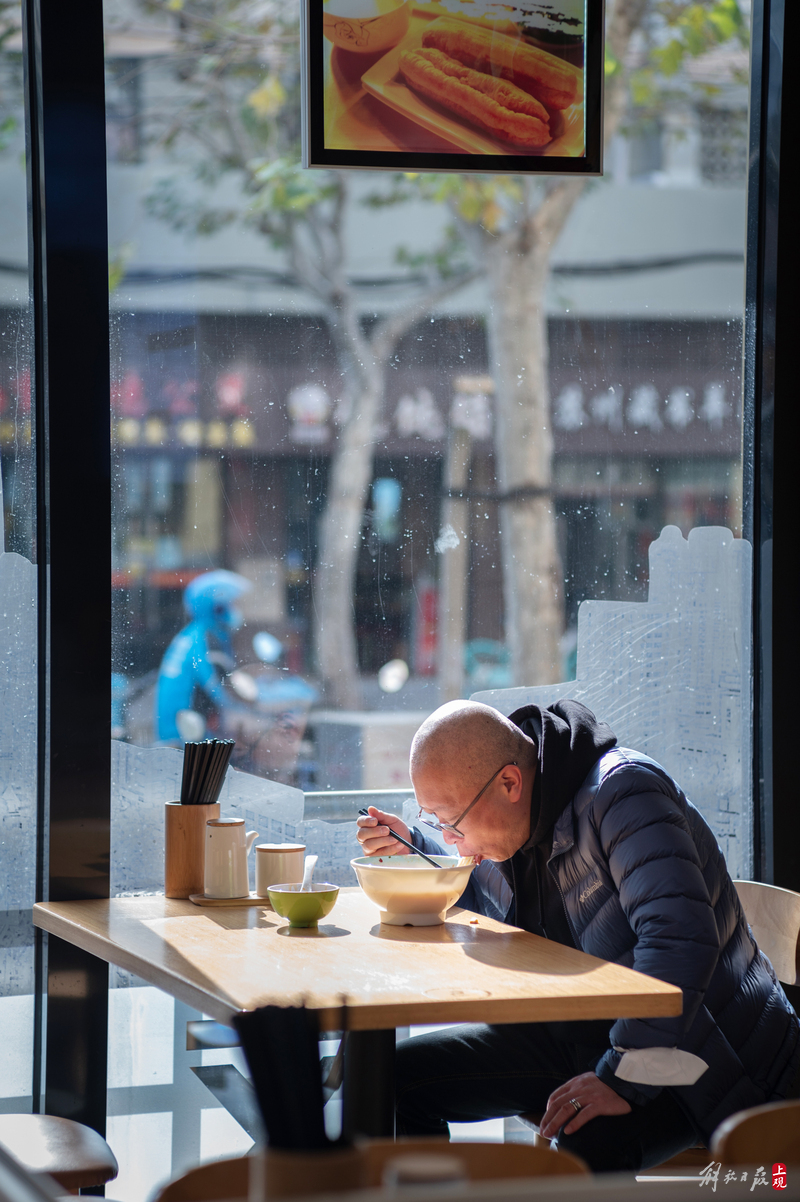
{"x":16,"y":1048}
{"x":143,"y":1147}
{"x":17,"y":819}
{"x":221,"y":1135}
{"x":336,"y":845}
{"x":17,"y":730}
{"x":140,"y":1037}
{"x":671,"y":676}
{"x":143,"y":779}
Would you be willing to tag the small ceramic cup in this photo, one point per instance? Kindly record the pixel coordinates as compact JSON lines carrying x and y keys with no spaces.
{"x":303,"y":908}
{"x":278,"y":863}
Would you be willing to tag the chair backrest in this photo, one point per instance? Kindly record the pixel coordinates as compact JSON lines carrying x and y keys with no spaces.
{"x":774,"y":915}
{"x":767,"y":1135}
{"x":483,"y":1162}
{"x":208,"y":1182}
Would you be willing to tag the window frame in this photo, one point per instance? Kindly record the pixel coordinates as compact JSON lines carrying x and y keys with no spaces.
{"x":68,"y":264}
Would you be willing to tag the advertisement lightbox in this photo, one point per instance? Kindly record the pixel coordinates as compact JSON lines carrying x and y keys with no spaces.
{"x":453,"y":85}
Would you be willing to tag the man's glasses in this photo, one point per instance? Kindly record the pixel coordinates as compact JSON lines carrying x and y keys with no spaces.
{"x":452,"y":827}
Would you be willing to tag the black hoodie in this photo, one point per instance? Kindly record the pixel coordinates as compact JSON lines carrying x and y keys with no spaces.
{"x":569,"y":740}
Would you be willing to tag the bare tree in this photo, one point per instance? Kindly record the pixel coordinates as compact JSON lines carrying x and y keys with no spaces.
{"x":512,"y":226}
{"x":517,"y":257}
{"x":234,"y":59}
{"x":10,"y":92}
{"x":237,"y":84}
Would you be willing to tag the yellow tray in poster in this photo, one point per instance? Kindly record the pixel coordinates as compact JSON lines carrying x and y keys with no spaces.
{"x":384,"y":81}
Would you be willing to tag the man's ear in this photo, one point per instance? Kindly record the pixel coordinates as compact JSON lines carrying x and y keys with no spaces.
{"x":511,"y":777}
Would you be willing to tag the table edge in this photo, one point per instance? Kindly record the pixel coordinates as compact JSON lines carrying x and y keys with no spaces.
{"x":666,"y":1002}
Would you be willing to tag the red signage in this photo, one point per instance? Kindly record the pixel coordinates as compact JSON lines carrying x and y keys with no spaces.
{"x":424,"y":638}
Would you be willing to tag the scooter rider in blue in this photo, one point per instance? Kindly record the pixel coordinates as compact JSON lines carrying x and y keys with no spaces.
{"x":187,"y":669}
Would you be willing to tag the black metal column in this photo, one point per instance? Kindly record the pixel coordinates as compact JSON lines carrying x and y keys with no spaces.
{"x":69,"y":282}
{"x":772,"y":310}
{"x":368,"y":1104}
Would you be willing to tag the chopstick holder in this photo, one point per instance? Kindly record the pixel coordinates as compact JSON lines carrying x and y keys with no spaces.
{"x":204,"y":768}
{"x":184,"y":847}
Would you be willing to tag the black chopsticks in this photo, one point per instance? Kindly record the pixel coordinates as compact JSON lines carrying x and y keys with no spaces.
{"x":406,"y":843}
{"x":204,"y":768}
{"x":281,"y":1046}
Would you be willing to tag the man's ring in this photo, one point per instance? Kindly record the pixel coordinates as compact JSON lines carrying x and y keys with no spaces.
{"x":574,"y":1102}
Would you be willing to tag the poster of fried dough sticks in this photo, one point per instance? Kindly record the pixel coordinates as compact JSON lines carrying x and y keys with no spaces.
{"x":462,"y":85}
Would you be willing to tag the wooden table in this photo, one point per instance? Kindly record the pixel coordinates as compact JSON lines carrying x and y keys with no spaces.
{"x":471,"y":969}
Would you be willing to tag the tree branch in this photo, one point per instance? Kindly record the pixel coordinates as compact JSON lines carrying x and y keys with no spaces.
{"x":550,"y":217}
{"x":306,"y":270}
{"x":389,"y":329}
{"x":626,"y":17}
{"x":547,"y":222}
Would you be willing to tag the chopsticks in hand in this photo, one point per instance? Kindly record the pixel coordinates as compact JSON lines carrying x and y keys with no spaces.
{"x":366,"y":814}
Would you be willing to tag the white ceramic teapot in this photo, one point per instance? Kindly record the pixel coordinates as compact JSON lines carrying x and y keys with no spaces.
{"x":227,"y":845}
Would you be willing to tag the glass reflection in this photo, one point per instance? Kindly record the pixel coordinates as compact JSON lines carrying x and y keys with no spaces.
{"x":299,"y":355}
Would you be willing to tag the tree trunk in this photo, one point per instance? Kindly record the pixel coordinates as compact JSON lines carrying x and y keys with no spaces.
{"x":340,"y":539}
{"x":363,"y":362}
{"x":532,"y":573}
{"x":518,"y":263}
{"x":454,"y":569}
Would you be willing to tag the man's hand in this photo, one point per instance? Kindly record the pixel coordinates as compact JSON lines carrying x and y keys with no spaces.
{"x":375,"y":834}
{"x":595,"y":1098}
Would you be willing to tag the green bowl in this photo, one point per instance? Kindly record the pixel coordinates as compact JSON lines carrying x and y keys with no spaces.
{"x":303,"y":909}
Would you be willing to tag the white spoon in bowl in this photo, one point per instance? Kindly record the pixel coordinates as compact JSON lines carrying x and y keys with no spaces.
{"x":308,"y":871}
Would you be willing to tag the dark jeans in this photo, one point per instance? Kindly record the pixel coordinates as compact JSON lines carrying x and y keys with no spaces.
{"x":469,"y":1073}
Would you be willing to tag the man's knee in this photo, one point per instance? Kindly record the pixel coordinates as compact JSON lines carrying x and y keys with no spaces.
{"x":437,"y":1056}
{"x":417,"y":1103}
{"x":642,"y":1139}
{"x":416,"y":1061}
{"x":604,"y":1150}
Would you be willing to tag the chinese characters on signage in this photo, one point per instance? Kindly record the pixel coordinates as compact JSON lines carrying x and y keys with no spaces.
{"x":277,"y":412}
{"x":641,"y":409}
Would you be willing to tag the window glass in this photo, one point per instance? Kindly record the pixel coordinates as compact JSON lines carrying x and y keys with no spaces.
{"x":18,"y":638}
{"x":420,"y":419}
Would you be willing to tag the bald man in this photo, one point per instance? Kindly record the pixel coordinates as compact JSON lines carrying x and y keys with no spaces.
{"x":596,"y":847}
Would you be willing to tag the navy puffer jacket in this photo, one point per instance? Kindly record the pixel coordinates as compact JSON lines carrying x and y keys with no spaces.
{"x":645,"y":885}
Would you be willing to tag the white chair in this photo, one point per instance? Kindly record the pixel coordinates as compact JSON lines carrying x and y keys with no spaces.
{"x":774,"y":917}
{"x":767,"y":1134}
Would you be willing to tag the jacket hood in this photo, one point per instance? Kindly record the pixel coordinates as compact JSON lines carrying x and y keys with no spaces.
{"x":570,"y":741}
